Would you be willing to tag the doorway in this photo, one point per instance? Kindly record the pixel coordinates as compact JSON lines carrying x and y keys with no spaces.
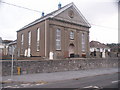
{"x":71,"y":50}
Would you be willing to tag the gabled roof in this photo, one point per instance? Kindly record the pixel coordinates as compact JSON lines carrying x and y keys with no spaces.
{"x":55,"y":13}
{"x":6,"y":41}
{"x":96,"y":44}
{"x":12,"y":43}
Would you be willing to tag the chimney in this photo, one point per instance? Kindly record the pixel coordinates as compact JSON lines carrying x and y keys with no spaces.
{"x":43,"y":14}
{"x":59,"y":6}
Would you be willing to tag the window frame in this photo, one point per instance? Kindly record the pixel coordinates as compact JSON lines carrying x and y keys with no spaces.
{"x":38,"y":39}
{"x":72,"y":34}
{"x":83,"y":42}
{"x":29,"y":39}
{"x":58,"y":39}
{"x":22,"y":41}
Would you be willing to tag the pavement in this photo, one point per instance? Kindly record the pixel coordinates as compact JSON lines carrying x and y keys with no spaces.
{"x":57,"y":76}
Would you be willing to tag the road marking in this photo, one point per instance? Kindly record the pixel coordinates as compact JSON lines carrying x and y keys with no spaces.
{"x":8,"y":86}
{"x":11,"y":87}
{"x":39,"y":84}
{"x":91,"y":87}
{"x":95,"y":87}
{"x":115,"y":81}
{"x":16,"y":86}
{"x":88,"y":87}
{"x":25,"y":85}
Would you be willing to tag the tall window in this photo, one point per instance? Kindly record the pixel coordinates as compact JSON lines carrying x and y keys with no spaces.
{"x":29,"y":39}
{"x":58,"y":39}
{"x":22,"y":41}
{"x":83,"y":42}
{"x":71,"y":35}
{"x":38,"y":39}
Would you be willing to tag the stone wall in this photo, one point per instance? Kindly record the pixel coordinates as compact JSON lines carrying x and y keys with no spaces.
{"x":47,"y":66}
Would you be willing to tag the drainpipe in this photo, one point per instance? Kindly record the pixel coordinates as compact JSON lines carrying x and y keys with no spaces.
{"x":45,"y":38}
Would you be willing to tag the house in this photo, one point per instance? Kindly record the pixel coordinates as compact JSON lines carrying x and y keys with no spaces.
{"x":1,"y":48}
{"x":99,"y":50}
{"x":5,"y":47}
{"x":115,"y":49}
{"x":12,"y":48}
{"x":62,"y":33}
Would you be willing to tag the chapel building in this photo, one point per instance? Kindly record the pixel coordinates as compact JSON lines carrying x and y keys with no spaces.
{"x":62,"y":33}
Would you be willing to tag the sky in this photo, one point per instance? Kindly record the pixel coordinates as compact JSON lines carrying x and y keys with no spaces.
{"x":101,"y":14}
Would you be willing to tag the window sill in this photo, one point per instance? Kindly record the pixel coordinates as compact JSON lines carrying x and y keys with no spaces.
{"x":71,"y":39}
{"x":58,"y":50}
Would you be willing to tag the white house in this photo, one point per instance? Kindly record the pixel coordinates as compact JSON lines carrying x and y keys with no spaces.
{"x":12,"y":47}
{"x":98,"y":49}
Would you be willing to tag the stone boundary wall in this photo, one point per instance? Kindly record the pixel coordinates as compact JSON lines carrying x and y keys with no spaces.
{"x":47,"y":66}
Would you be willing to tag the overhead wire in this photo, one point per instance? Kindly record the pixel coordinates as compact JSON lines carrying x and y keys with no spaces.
{"x":21,"y":7}
{"x":41,"y":12}
{"x":92,"y":24}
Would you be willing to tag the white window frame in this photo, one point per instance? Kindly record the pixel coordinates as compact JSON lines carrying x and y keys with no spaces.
{"x":83,"y":42}
{"x":38,"y":39}
{"x":71,"y":35}
{"x":58,"y":39}
{"x":29,"y":39}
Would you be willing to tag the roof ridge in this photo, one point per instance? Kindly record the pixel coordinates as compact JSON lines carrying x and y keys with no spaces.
{"x":53,"y":14}
{"x":45,"y":16}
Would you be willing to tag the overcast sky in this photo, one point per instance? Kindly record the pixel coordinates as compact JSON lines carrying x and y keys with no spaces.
{"x":101,"y":14}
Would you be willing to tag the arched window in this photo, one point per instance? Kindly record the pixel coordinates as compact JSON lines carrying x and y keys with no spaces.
{"x":58,"y":39}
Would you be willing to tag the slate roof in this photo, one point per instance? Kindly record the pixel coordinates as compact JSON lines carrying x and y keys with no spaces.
{"x":96,"y":44}
{"x":6,"y":41}
{"x":13,"y":42}
{"x":52,"y":14}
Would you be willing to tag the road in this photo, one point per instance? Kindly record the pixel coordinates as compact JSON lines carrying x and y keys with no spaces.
{"x":99,"y":81}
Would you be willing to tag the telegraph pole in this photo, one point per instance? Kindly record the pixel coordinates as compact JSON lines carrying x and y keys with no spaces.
{"x":12,"y":64}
